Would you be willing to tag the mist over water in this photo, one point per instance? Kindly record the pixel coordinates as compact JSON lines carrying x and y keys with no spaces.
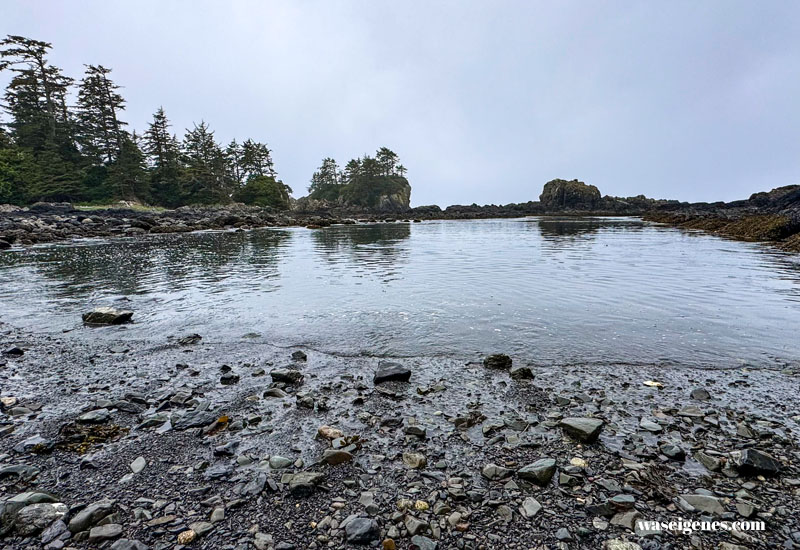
{"x":547,"y":290}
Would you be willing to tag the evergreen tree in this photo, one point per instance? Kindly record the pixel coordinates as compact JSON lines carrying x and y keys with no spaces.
{"x":127,"y":174}
{"x":99,"y":104}
{"x":37,"y":95}
{"x":233,"y":160}
{"x":205,"y":174}
{"x":386,"y":159}
{"x":163,"y":154}
{"x":326,"y":181}
{"x":257,"y":159}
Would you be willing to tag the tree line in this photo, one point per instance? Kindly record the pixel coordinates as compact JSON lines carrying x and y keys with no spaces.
{"x":67,"y":141}
{"x":362,"y":181}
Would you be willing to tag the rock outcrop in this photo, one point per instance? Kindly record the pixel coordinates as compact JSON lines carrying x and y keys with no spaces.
{"x":569,"y":195}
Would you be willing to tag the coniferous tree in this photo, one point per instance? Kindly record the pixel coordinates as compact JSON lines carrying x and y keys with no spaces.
{"x":127,"y":176}
{"x":205,"y":178}
{"x":386,"y":159}
{"x":257,"y":159}
{"x":99,"y":104}
{"x":36,"y":83}
{"x":40,"y":122}
{"x":163,"y":153}
{"x":234,"y":164}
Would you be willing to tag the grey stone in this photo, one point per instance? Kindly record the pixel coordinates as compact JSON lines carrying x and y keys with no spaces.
{"x":138,"y":465}
{"x":388,"y":372}
{"x":755,"y":462}
{"x":105,"y":532}
{"x":418,"y":542}
{"x":497,"y":361}
{"x":34,"y":517}
{"x":700,"y":394}
{"x":494,"y":472}
{"x":280,"y":462}
{"x":413,"y":525}
{"x":362,"y":531}
{"x":530,"y":507}
{"x":539,"y":472}
{"x":128,"y":544}
{"x":582,"y":429}
{"x":521,"y":373}
{"x":305,"y":483}
{"x":107,"y":316}
{"x":91,"y":515}
{"x":705,"y":503}
{"x":287,"y":376}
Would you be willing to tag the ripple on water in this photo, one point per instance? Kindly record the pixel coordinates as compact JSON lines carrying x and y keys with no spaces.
{"x":555,"y":290}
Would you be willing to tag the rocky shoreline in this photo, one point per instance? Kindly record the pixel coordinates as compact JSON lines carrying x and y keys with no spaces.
{"x":772,"y":217}
{"x":190,"y":442}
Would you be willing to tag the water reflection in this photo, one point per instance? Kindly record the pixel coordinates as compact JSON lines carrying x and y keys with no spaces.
{"x":559,"y":290}
{"x":375,"y":248}
{"x":166,"y":263}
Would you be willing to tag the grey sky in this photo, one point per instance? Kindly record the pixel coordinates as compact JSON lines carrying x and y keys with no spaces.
{"x":484,"y":101}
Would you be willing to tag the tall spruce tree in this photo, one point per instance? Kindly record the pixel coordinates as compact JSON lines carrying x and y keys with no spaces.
{"x":163,"y":153}
{"x":36,"y":100}
{"x":99,"y":105}
{"x":127,"y":175}
{"x":205,"y":177}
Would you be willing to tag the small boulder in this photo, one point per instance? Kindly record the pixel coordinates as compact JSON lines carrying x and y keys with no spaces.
{"x":388,"y":372}
{"x":497,"y":361}
{"x":539,"y":472}
{"x":582,"y":429}
{"x":362,"y":531}
{"x":107,"y":316}
{"x":287,"y":376}
{"x":414,"y":461}
{"x":521,"y":373}
{"x":754,"y":462}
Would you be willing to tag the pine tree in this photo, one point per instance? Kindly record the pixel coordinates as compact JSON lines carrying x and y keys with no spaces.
{"x":38,"y":83}
{"x":99,"y":104}
{"x":163,"y":152}
{"x":205,"y":178}
{"x":41,"y":125}
{"x":386,"y":159}
{"x":127,"y":174}
{"x":257,"y":159}
{"x":233,"y":161}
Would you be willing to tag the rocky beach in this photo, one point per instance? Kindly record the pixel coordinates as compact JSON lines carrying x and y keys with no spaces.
{"x":187,"y":442}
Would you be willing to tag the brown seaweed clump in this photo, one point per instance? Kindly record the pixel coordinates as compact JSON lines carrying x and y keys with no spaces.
{"x":80,"y":438}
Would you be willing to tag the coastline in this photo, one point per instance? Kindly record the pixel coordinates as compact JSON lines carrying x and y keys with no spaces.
{"x":772,"y":217}
{"x":207,"y":417}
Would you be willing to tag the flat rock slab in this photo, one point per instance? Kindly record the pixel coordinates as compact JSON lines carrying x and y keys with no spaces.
{"x":388,"y":372}
{"x":755,"y":462}
{"x":582,"y":429}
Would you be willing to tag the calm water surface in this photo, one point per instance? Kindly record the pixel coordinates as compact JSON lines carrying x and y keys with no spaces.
{"x":546,"y":290}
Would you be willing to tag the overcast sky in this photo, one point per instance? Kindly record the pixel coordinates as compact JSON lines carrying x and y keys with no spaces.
{"x":483,"y":101}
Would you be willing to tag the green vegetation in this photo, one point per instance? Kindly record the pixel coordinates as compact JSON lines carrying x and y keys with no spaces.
{"x":363,"y":182}
{"x":51,"y":150}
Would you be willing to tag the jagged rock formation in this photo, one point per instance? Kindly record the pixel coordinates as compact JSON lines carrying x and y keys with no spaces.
{"x":569,"y":195}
